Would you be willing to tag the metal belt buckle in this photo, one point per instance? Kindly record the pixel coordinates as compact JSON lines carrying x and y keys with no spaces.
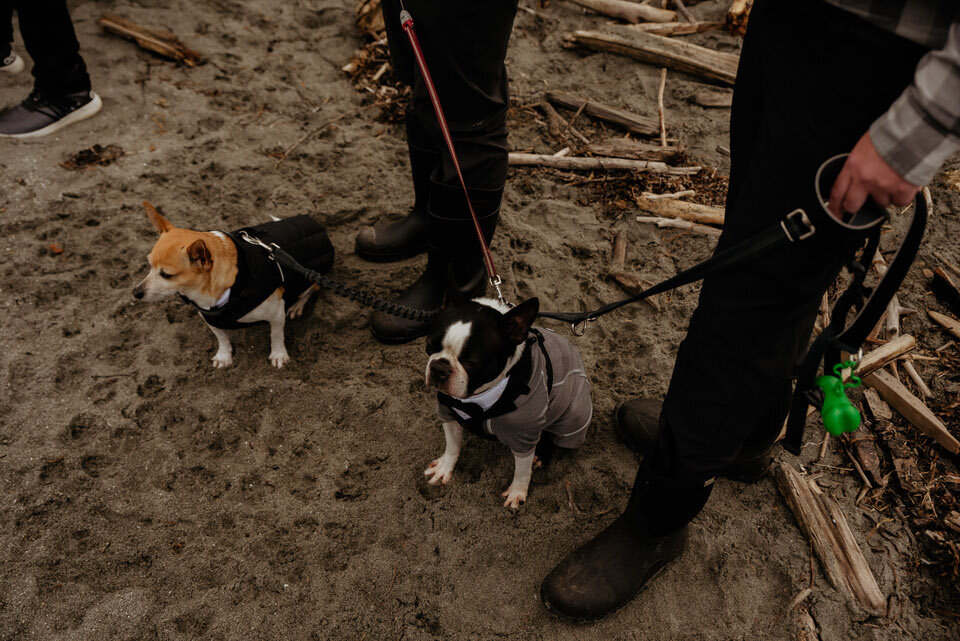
{"x":799,"y":218}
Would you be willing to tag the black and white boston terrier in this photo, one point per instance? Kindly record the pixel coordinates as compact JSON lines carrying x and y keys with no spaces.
{"x":502,"y":379}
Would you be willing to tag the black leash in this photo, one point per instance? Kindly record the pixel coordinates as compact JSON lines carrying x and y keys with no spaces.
{"x":795,"y":227}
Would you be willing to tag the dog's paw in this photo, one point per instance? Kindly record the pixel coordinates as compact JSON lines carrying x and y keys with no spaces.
{"x":279,"y":360}
{"x":440,"y":471}
{"x":516,"y":496}
{"x":220,"y":361}
{"x":296,"y":310}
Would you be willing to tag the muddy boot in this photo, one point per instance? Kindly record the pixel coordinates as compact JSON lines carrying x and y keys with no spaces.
{"x":453,"y":251}
{"x":606,"y":573}
{"x":637,"y":423}
{"x":399,"y":239}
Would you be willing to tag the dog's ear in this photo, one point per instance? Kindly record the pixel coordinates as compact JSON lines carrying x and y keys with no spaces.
{"x":200,"y":257}
{"x":162,"y":224}
{"x":520,"y":318}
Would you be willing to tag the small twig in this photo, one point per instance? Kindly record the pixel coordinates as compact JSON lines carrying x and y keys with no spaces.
{"x":682,"y":8}
{"x":663,"y":125}
{"x":680,"y":194}
{"x":823,"y":446}
{"x":950,"y":266}
{"x":320,"y":128}
{"x":915,"y":376}
{"x":570,"y":502}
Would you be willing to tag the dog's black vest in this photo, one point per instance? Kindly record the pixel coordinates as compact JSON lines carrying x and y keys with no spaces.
{"x":257,"y":276}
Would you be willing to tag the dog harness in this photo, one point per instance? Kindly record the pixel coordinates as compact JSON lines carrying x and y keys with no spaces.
{"x":258,"y":276}
{"x":546,"y":391}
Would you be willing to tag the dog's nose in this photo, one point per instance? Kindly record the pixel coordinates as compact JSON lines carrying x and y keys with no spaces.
{"x":138,"y":292}
{"x":440,"y":370}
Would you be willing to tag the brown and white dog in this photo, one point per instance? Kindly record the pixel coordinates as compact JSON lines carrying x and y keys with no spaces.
{"x":213,"y":271}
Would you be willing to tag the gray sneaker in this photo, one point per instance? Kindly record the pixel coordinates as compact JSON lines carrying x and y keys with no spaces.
{"x":11,"y":64}
{"x":39,"y":116}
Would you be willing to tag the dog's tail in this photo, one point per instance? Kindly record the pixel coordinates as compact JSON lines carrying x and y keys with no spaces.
{"x":274,"y":218}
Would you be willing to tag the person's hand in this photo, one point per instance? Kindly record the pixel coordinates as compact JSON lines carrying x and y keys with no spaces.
{"x":865,"y":174}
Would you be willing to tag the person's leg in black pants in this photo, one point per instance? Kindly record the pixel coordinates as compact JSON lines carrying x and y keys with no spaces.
{"x":797,"y":103}
{"x":49,"y":38}
{"x":61,"y":84}
{"x":464,"y":44}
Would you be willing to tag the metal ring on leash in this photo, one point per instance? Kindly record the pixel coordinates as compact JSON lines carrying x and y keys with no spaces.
{"x":579,"y":329}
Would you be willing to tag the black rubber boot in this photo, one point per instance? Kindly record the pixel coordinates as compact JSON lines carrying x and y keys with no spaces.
{"x":453,"y":250}
{"x":637,"y":423}
{"x":607,"y":572}
{"x":399,"y":239}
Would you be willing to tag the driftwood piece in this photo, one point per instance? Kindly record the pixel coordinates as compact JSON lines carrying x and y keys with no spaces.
{"x":159,"y":41}
{"x":557,"y":124}
{"x":636,"y":149}
{"x":738,"y":15}
{"x":878,"y":408}
{"x":675,"y":28}
{"x":660,"y":109}
{"x":678,"y":55}
{"x":911,"y":408}
{"x":679,"y":194}
{"x":618,"y":274}
{"x":952,"y":520}
{"x":370,"y":18}
{"x":952,"y":325}
{"x":678,"y":223}
{"x":587,"y":164}
{"x":822,"y":521}
{"x":632,"y":122}
{"x":712,"y":98}
{"x":904,"y":463}
{"x":886,"y":353}
{"x":914,"y":375}
{"x":682,"y":8}
{"x":806,"y":626}
{"x":946,"y":290}
{"x":942,"y":259}
{"x":694,"y":212}
{"x":863,"y":447}
{"x":629,"y":11}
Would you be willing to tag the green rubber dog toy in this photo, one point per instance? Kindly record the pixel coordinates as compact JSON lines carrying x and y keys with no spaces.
{"x":838,"y":413}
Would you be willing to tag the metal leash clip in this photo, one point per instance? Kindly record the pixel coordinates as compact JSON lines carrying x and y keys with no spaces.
{"x":253,"y":240}
{"x":579,"y":329}
{"x":496,"y":281}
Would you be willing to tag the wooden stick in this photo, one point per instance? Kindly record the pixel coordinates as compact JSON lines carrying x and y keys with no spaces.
{"x":581,"y":163}
{"x":912,"y":409}
{"x":915,"y":377}
{"x":950,"y":266}
{"x":630,"y":121}
{"x":863,"y":447}
{"x":680,"y":224}
{"x":822,"y":521}
{"x":629,"y":11}
{"x":682,"y":8}
{"x":878,"y":409}
{"x":637,"y":149}
{"x":673,"y":196}
{"x":738,"y":15}
{"x":694,"y":212}
{"x":665,"y":52}
{"x":619,"y":259}
{"x":884,"y":354}
{"x":949,"y":324}
{"x":675,"y":28}
{"x":158,"y":41}
{"x":557,"y":123}
{"x":663,"y":125}
{"x":946,"y":290}
{"x":712,"y":98}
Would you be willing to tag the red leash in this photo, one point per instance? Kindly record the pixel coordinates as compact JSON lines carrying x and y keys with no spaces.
{"x":406,"y":20}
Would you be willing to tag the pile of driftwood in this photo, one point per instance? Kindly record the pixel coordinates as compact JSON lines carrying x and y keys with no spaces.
{"x":370,"y":68}
{"x":919,"y":456}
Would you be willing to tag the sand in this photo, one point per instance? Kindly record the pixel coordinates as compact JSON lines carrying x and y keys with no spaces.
{"x":148,"y":496}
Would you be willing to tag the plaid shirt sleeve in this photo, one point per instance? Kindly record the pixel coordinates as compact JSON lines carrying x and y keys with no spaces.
{"x":922,"y":128}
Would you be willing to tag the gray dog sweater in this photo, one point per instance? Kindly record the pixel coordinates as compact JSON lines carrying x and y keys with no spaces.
{"x":546,"y":391}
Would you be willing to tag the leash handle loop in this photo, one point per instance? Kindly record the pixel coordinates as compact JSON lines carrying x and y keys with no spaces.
{"x":406,"y":21}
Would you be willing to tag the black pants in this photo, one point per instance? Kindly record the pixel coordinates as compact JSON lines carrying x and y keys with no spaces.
{"x":50,"y":40}
{"x":811,"y":81}
{"x":464,"y":43}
